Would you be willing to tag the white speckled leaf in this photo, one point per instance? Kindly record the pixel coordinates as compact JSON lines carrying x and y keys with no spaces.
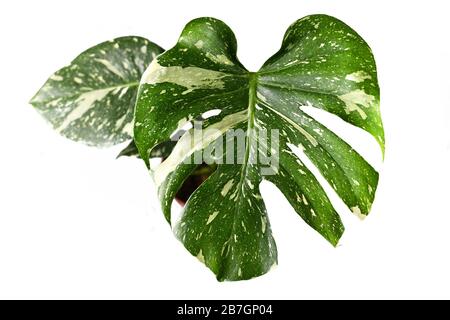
{"x":322,"y":63}
{"x":92,"y":99}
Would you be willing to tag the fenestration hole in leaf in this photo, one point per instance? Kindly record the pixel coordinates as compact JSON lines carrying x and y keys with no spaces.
{"x":360,"y":140}
{"x":211,"y":113}
{"x":194,"y":181}
{"x":334,"y":198}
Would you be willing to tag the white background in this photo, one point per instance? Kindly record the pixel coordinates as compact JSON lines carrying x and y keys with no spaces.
{"x":76,"y":223}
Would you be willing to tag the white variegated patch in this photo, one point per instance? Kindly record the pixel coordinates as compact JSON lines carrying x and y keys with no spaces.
{"x":227,"y":187}
{"x":212,"y":217}
{"x":220,"y":59}
{"x":358,"y":76}
{"x":191,"y":78}
{"x":356,"y":99}
{"x":83,"y":104}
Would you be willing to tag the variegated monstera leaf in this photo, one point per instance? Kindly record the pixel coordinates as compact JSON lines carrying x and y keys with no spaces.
{"x":92,"y":100}
{"x":322,"y":63}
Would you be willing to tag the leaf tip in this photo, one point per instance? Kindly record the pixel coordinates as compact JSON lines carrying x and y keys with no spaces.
{"x":382,"y":144}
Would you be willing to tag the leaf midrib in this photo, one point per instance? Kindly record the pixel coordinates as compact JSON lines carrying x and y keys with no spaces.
{"x":306,"y":90}
{"x":252,"y":84}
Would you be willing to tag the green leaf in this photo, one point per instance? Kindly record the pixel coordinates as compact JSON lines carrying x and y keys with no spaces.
{"x":322,"y":63}
{"x":92,"y":99}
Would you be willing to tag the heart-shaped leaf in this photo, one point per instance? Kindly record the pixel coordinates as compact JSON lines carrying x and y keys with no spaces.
{"x":92,"y":100}
{"x":322,"y":63}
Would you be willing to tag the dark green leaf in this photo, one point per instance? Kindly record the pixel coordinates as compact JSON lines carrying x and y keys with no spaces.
{"x":322,"y":63}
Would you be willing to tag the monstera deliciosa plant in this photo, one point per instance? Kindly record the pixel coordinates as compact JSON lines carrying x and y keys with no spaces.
{"x":131,"y":83}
